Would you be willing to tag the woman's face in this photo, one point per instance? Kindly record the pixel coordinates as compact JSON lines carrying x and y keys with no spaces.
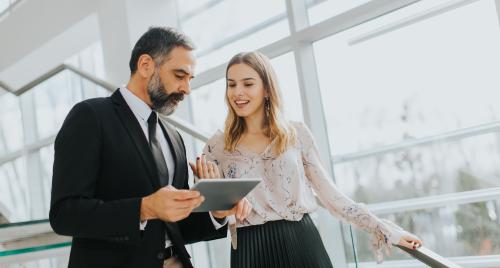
{"x":245,"y":90}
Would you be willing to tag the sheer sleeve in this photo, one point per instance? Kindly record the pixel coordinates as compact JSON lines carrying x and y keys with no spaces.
{"x":383,"y":232}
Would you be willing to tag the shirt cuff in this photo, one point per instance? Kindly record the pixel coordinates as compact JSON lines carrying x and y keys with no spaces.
{"x":217,"y":225}
{"x":142,"y":225}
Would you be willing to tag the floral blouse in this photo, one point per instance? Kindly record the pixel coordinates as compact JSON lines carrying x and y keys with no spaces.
{"x":291,"y":182}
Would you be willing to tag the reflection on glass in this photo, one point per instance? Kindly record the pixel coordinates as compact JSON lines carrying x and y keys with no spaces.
{"x":11,"y":127}
{"x":27,"y":197}
{"x":286,"y":72}
{"x":14,"y":194}
{"x":46,"y":157}
{"x":5,"y":4}
{"x":187,"y":8}
{"x":209,"y":106}
{"x":396,"y":86}
{"x":326,"y":9}
{"x":56,"y":262}
{"x":224,"y":21}
{"x":56,"y":96}
{"x":249,"y":42}
{"x":469,"y":164}
{"x":451,"y":231}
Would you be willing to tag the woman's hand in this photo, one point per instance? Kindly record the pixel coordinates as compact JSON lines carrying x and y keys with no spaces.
{"x":241,"y":210}
{"x":204,"y":169}
{"x":410,"y":241}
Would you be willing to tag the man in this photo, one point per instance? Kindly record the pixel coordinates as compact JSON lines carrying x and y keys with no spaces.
{"x":120,"y":172}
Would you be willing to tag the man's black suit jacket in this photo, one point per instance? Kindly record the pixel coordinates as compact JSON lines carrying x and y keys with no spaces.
{"x":102,"y":168}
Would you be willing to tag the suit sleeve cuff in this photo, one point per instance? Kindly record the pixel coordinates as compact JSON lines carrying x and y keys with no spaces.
{"x":216,"y":223}
{"x":142,"y":225}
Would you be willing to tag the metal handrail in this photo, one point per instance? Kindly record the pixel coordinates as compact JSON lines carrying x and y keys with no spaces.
{"x":429,"y":257}
{"x":49,"y":74}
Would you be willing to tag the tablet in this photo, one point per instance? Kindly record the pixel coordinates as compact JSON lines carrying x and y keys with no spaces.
{"x":223,"y":194}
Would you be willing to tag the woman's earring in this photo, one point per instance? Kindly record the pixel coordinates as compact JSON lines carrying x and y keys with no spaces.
{"x":267,"y":105}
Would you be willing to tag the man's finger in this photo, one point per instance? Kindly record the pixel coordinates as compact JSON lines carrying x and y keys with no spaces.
{"x":183,"y":194}
{"x":188,"y":203}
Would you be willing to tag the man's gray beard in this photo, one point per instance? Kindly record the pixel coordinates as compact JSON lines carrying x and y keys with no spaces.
{"x":162,"y":102}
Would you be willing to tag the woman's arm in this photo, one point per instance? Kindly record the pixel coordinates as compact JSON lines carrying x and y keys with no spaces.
{"x":384,"y":233}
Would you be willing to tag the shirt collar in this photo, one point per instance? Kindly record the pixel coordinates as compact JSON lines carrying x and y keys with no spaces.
{"x":138,"y":106}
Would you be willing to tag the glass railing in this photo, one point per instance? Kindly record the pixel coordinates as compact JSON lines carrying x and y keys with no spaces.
{"x":26,"y":194}
{"x":32,"y":244}
{"x":445,"y":188}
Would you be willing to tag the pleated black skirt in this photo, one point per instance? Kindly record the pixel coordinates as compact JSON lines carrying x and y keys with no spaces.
{"x":281,"y":243}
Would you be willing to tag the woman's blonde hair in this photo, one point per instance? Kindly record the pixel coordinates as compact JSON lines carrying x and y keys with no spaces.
{"x":276,"y":127}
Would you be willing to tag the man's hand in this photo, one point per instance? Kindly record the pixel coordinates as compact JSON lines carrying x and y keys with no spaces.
{"x":170,"y":204}
{"x":241,"y":210}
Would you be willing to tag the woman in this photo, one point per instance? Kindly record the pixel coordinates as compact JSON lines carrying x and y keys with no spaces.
{"x":258,"y":142}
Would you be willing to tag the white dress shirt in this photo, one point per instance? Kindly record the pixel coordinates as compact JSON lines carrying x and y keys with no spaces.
{"x":142,"y":111}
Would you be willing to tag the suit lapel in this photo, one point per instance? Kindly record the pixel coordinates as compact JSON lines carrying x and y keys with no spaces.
{"x":137,"y":135}
{"x":180,"y":177}
{"x":175,"y":144}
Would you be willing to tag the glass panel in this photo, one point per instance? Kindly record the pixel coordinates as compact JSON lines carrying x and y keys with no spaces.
{"x":11,"y":127}
{"x":57,"y":262}
{"x":25,"y":182}
{"x":209,"y":98}
{"x":289,"y":85}
{"x":14,"y":194}
{"x":323,"y":10}
{"x":249,"y":42}
{"x":450,"y":231}
{"x":90,"y":60}
{"x":4,"y":4}
{"x":396,"y":86}
{"x":56,"y":96}
{"x":261,"y":22}
{"x":188,"y":8}
{"x":46,"y":158}
{"x":468,"y":164}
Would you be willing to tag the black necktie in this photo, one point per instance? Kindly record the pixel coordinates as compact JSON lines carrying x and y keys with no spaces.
{"x":161,"y":165}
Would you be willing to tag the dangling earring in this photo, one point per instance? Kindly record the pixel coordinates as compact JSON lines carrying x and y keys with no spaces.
{"x":267,"y":106}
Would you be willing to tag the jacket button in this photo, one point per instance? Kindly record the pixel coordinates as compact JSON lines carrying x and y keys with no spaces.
{"x":161,"y":256}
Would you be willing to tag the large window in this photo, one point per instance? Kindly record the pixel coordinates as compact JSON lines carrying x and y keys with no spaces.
{"x":404,"y":96}
{"x":414,"y":81}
